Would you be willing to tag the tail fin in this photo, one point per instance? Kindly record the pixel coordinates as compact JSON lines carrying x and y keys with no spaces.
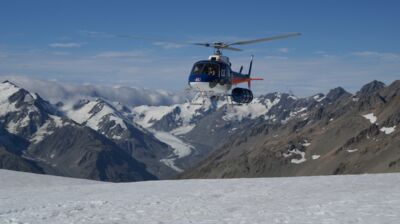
{"x":251,"y":65}
{"x":249,"y":74}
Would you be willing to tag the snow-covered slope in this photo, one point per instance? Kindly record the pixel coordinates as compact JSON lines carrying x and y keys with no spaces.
{"x":114,"y":121}
{"x":24,"y":113}
{"x":37,"y":136}
{"x":178,"y":118}
{"x":195,"y":129}
{"x":98,"y":115}
{"x":32,"y":198}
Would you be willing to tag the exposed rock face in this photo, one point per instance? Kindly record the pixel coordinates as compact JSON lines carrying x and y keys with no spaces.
{"x":341,"y":134}
{"x":36,"y":137}
{"x":81,"y":152}
{"x":277,"y":134}
{"x":371,"y":88}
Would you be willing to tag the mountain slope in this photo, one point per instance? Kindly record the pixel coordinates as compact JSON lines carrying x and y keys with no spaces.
{"x":82,"y":152}
{"x":343,"y":133}
{"x":37,"y":137}
{"x":277,"y":134}
{"x":115,"y":124}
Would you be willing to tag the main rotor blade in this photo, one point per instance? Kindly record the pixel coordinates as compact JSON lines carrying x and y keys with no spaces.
{"x":203,"y":44}
{"x":264,"y":39}
{"x":157,"y":40}
{"x":231,"y":48}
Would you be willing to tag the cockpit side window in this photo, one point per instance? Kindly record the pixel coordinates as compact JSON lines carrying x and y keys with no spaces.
{"x":211,"y":69}
{"x":198,"y":68}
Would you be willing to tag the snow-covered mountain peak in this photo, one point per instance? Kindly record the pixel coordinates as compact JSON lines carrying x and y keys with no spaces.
{"x":177,"y":115}
{"x":319,"y":97}
{"x":252,"y":110}
{"x":99,"y":115}
{"x":7,"y":90}
{"x":22,"y":112}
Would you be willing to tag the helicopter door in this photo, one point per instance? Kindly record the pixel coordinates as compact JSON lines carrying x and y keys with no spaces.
{"x":224,"y":74}
{"x":223,"y":78}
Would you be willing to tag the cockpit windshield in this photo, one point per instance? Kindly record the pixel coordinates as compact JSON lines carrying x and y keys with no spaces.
{"x":208,"y":68}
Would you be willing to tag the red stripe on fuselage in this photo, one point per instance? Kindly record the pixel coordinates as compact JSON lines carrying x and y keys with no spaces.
{"x":241,"y":80}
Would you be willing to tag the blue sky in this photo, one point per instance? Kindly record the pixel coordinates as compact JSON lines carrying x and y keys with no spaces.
{"x":344,"y":43}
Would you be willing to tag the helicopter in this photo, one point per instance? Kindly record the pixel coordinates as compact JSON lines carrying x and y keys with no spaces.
{"x":214,"y":77}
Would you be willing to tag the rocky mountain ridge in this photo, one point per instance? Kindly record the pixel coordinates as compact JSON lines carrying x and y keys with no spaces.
{"x":272,"y":136}
{"x":341,"y":134}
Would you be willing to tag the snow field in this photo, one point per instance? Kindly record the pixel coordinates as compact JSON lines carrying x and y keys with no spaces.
{"x":32,"y":198}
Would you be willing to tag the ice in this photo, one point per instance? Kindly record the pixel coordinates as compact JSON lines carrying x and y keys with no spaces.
{"x":319,"y":97}
{"x":33,"y":198}
{"x":181,"y":149}
{"x":182,"y":130}
{"x":298,"y":111}
{"x":296,"y":152}
{"x":252,"y":110}
{"x":301,"y":160}
{"x":314,"y":157}
{"x":388,"y":130}
{"x":371,"y":117}
{"x":305,"y":143}
{"x":146,"y":115}
{"x":170,"y":162}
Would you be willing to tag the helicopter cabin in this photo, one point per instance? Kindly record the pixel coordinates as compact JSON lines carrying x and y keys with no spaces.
{"x":214,"y":68}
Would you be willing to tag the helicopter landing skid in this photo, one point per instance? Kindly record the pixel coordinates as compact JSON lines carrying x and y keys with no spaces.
{"x":201,"y":98}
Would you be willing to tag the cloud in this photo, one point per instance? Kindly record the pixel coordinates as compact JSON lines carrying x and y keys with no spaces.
{"x":66,"y":45}
{"x":60,"y":53}
{"x":374,"y":54}
{"x":56,"y":91}
{"x":304,"y":75}
{"x":283,"y":50}
{"x":95,"y":33}
{"x":169,"y":45}
{"x":276,"y":57}
{"x":119,"y":54}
